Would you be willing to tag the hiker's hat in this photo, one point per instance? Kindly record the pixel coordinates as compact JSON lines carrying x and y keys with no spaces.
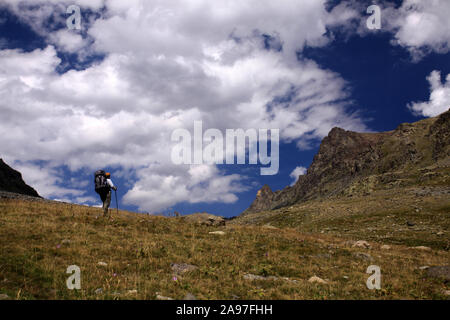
{"x":108,"y":174}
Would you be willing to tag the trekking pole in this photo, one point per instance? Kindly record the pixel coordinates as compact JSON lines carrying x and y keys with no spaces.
{"x":117,"y":203}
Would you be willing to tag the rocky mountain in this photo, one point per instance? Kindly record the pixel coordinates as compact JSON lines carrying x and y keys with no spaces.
{"x":11,"y":181}
{"x":351,"y":163}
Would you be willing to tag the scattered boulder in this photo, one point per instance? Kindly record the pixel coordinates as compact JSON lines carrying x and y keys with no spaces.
{"x":252,"y":277}
{"x":315,"y":279}
{"x":205,"y":219}
{"x":363,"y":256}
{"x":442,"y":272}
{"x":422,"y":248}
{"x":101,"y":263}
{"x":130,"y":292}
{"x":160,"y":297}
{"x":361,"y":244}
{"x":410,"y":224}
{"x":189,"y":296}
{"x":220,"y":233}
{"x":288,"y":280}
{"x":446,"y":292}
{"x":65,"y":241}
{"x":180,"y":268}
{"x":385,"y":247}
{"x":424,"y":267}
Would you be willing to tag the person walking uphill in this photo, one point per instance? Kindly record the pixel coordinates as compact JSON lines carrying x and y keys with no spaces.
{"x":103,"y":186}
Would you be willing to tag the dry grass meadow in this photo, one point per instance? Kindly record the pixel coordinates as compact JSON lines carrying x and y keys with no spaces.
{"x":39,"y":240}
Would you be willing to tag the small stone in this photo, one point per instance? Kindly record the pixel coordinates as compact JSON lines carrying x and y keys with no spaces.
{"x":4,"y":296}
{"x":159,"y":297}
{"x":250,"y":276}
{"x":180,"y":268}
{"x":268,"y":226}
{"x":363,"y":256}
{"x":385,"y":247}
{"x":424,"y":267}
{"x":422,"y":248}
{"x":220,"y":233}
{"x":132,"y":291}
{"x":289,"y":280}
{"x":204,"y":219}
{"x":116,"y":294}
{"x":345,"y":277}
{"x":315,"y":279}
{"x":98,"y":291}
{"x":65,"y":241}
{"x":440,"y":233}
{"x":189,"y":296}
{"x":101,"y":263}
{"x":361,"y":244}
{"x":442,"y":272}
{"x":446,"y":292}
{"x":410,"y":224}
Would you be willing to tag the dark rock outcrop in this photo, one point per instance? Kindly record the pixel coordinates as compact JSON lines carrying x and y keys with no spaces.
{"x":349,"y":161}
{"x":11,"y":181}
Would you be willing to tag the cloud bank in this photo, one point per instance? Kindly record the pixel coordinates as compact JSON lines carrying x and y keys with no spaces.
{"x":230,"y":64}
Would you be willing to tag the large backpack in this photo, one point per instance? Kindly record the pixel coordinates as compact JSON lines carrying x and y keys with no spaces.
{"x":100,"y":181}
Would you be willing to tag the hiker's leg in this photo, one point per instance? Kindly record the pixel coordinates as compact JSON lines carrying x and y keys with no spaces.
{"x":107,"y":204}
{"x":103,"y":198}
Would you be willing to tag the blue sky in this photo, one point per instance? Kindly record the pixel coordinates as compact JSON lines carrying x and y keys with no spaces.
{"x":110,"y":95}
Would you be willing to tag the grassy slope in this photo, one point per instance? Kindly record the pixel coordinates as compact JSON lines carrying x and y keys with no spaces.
{"x":139,"y":250}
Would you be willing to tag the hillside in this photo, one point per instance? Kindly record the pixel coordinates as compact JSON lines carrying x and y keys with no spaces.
{"x":11,"y":181}
{"x":138,"y":256}
{"x":350,"y":163}
{"x":367,"y":199}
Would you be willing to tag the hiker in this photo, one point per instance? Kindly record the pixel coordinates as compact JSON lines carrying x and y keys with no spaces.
{"x":103,"y":186}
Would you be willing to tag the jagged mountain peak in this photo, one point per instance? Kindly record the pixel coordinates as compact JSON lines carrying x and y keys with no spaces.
{"x":346,"y":158}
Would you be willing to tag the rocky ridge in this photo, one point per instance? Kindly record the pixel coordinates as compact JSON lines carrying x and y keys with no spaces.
{"x":353,"y":163}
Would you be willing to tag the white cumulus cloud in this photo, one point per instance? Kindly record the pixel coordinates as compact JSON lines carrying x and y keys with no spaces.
{"x":439,"y":97}
{"x":167,"y":64}
{"x":420,"y":26}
